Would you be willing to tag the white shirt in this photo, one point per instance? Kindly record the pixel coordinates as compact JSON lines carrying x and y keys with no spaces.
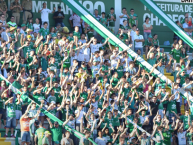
{"x":5,"y":73}
{"x":81,"y":54}
{"x":82,"y":113}
{"x":114,"y":60}
{"x":97,"y":17}
{"x":72,"y":58}
{"x":126,"y":60}
{"x":76,"y":20}
{"x":185,"y":25}
{"x":142,"y":119}
{"x":83,"y":41}
{"x":133,"y":33}
{"x":95,"y":69}
{"x":176,"y":96}
{"x":36,"y":28}
{"x":182,"y":138}
{"x":123,"y":18}
{"x":95,"y":48}
{"x":71,"y":124}
{"x":4,"y":35}
{"x":138,"y":44}
{"x":87,"y":54}
{"x":44,"y":15}
{"x":188,"y":87}
{"x":22,"y":32}
{"x":100,"y":141}
{"x":95,"y":105}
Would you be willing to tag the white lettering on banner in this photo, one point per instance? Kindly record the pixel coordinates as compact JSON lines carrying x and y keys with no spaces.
{"x":169,"y":8}
{"x":101,"y":4}
{"x":37,"y":5}
{"x":89,"y":6}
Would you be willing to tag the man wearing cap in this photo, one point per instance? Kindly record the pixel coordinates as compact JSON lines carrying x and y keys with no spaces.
{"x":25,"y":125}
{"x":56,"y":131}
{"x":45,"y":140}
{"x":16,"y":9}
{"x":59,"y":16}
{"x":22,"y":30}
{"x":138,"y":41}
{"x":11,"y":116}
{"x":3,"y":8}
{"x":27,"y":10}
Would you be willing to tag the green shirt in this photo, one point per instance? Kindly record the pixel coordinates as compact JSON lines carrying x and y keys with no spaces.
{"x":53,"y":66}
{"x":189,"y":138}
{"x":18,"y":106}
{"x":176,"y":54}
{"x":56,"y":133}
{"x":89,"y":32}
{"x":44,"y":64}
{"x":185,"y":121}
{"x":115,"y":81}
{"x":152,"y":61}
{"x":11,"y":107}
{"x":111,"y":22}
{"x":116,"y":121}
{"x":147,"y":43}
{"x":44,"y":32}
{"x":76,"y":34}
{"x":84,"y":141}
{"x":2,"y":103}
{"x":172,"y":106}
{"x":27,"y":49}
{"x":24,"y":97}
{"x":132,"y":22}
{"x":159,"y":139}
{"x":120,"y":70}
{"x":30,"y":26}
{"x":155,"y":42}
{"x":66,"y":63}
{"x":70,"y":38}
{"x":38,"y":97}
{"x":167,"y":136}
{"x":103,"y":21}
{"x":40,"y":134}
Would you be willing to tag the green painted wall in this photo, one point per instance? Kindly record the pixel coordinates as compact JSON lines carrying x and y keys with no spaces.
{"x":174,"y":9}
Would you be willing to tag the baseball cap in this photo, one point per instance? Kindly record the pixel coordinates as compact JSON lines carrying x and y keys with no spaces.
{"x":150,"y":36}
{"x":23,"y":25}
{"x":55,"y":123}
{"x":47,"y":132}
{"x":59,"y":7}
{"x":137,"y":29}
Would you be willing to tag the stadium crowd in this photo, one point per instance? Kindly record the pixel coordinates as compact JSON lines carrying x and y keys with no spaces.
{"x":92,"y":86}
